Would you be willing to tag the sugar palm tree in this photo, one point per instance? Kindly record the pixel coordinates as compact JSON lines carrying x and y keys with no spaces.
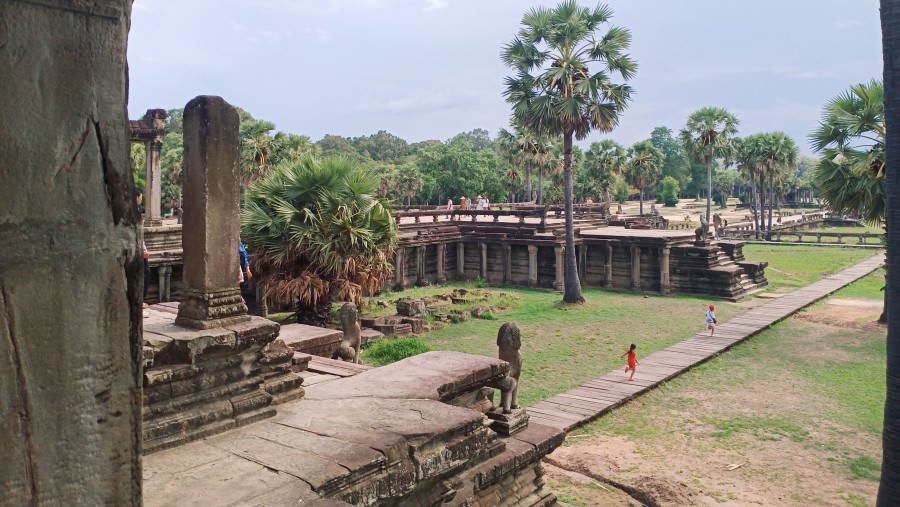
{"x":707,"y":136}
{"x":556,"y":91}
{"x":852,"y":171}
{"x":751,"y":167}
{"x":604,"y":159}
{"x":317,"y":233}
{"x":645,"y":163}
{"x":778,"y":153}
{"x":851,"y":138}
{"x":889,"y":488}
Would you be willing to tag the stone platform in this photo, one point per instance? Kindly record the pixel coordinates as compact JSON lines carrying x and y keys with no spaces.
{"x":198,"y":383}
{"x":382,"y":437}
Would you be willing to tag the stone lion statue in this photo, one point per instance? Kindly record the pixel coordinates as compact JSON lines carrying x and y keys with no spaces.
{"x":509,"y":340}
{"x":349,"y":350}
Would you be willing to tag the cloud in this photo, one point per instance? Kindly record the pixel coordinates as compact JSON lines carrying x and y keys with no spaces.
{"x":434,"y":5}
{"x":420,"y":102}
{"x":141,"y":6}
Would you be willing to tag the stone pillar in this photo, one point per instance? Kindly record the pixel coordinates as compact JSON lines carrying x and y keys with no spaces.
{"x":532,"y":266}
{"x":211,"y":181}
{"x":153,"y":177}
{"x":608,"y":268}
{"x":636,"y":268}
{"x":441,"y":276}
{"x":400,"y":268}
{"x":164,"y":274}
{"x":483,"y":270}
{"x":664,"y":285}
{"x":70,"y":260}
{"x":460,"y":260}
{"x":420,"y":265}
{"x":507,"y":263}
{"x":559,"y":281}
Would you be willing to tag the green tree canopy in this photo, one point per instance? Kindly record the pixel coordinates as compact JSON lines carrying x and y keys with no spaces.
{"x":317,"y":233}
{"x":645,"y":163}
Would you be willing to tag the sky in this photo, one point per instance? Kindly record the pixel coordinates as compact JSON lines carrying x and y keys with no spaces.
{"x":430,"y":69}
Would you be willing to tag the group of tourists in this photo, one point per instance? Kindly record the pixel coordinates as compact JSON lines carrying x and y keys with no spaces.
{"x":465,"y":204}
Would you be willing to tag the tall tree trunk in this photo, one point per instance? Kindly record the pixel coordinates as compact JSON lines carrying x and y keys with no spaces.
{"x":754,"y":204}
{"x":540,"y":196}
{"x":709,"y":186}
{"x":528,"y":196}
{"x":771,"y":198}
{"x":642,"y":201}
{"x":889,"y":488}
{"x":572,"y":292}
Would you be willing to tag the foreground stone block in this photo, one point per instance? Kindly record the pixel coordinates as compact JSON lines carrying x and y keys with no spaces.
{"x":439,"y":376}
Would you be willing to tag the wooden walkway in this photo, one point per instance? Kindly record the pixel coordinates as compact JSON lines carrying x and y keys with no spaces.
{"x":594,"y":398}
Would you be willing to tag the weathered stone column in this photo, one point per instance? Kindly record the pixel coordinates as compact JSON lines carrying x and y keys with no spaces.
{"x":70,"y":259}
{"x":211,"y":226}
{"x":607,"y":271}
{"x":400,"y":268}
{"x":460,"y":260}
{"x":164,"y":274}
{"x":664,"y":285}
{"x":532,"y":266}
{"x":153,"y":209}
{"x":441,"y":276}
{"x":636,"y":267}
{"x":559,"y":282}
{"x":420,"y":265}
{"x":483,"y":270}
{"x":507,"y":263}
{"x":262,"y":301}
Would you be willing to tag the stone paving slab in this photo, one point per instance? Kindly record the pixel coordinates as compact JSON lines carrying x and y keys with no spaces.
{"x":594,"y":398}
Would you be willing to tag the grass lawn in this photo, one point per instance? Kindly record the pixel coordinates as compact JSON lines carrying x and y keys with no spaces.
{"x":791,"y":267}
{"x":799,"y":407}
{"x":566,"y":345}
{"x":870,"y":287}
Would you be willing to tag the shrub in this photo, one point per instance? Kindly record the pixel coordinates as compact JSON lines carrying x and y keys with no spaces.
{"x":391,"y":351}
{"x":670,"y":191}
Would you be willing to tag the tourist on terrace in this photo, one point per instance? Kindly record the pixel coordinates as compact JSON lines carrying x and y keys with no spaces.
{"x":480,"y":204}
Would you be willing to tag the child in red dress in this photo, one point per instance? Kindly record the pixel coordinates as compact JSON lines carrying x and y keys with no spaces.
{"x":632,"y":361}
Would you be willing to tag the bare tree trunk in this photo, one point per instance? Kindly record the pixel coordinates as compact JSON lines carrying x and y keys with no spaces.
{"x":540,"y":192}
{"x":771,"y":206}
{"x":572,"y":285}
{"x":889,"y":488}
{"x":528,"y":196}
{"x":754,"y":204}
{"x":709,"y":185}
{"x":642,"y":201}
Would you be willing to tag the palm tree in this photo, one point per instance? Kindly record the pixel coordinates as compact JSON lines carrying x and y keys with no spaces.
{"x":604,"y":159}
{"x":745,"y":156}
{"x":317,"y":233}
{"x":645,"y":163}
{"x":409,"y":181}
{"x":707,"y":136}
{"x":778,"y":153}
{"x":852,"y":171}
{"x":889,"y":488}
{"x":522,"y":146}
{"x":554,"y":91}
{"x":851,"y":137}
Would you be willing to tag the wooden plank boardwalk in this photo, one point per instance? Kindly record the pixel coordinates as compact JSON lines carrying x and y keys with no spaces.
{"x":595,"y":397}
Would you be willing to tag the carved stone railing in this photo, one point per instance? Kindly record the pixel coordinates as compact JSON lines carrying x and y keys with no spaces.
{"x":426,"y":214}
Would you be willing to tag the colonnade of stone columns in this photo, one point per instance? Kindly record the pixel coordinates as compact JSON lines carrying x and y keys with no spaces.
{"x":635,"y":251}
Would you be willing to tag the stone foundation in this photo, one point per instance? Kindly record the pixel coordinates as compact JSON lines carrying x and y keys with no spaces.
{"x":201,"y":382}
